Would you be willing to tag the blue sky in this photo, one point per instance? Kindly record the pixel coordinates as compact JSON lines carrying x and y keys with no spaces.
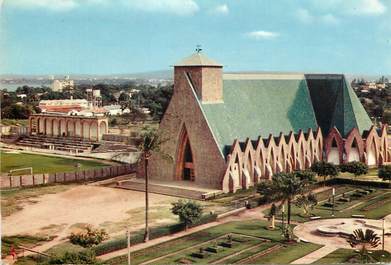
{"x":130,"y":36}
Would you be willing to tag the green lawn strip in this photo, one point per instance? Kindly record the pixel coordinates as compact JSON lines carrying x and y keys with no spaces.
{"x":24,"y":240}
{"x":44,"y":164}
{"x":344,"y":255}
{"x":343,"y":211}
{"x":289,"y":253}
{"x":11,"y":200}
{"x":249,"y":253}
{"x":212,"y":257}
{"x":251,"y":228}
{"x":61,"y":249}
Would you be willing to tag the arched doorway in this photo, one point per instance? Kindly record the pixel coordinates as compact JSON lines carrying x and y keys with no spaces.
{"x":185,"y":161}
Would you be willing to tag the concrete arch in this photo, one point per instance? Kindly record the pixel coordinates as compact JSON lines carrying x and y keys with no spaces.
{"x":48,"y":127}
{"x":63,"y":128}
{"x":70,"y":128}
{"x":102,"y":129}
{"x":41,"y":126}
{"x":86,"y":130}
{"x":78,"y":128}
{"x":94,"y":131}
{"x":56,"y":127}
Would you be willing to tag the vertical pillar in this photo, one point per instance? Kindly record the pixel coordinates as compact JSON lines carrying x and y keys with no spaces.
{"x":66,"y":127}
{"x":30,"y":125}
{"x":98,"y":130}
{"x":44,"y":126}
{"x":81,"y":129}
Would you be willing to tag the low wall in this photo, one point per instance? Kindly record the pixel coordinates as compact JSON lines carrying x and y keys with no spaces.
{"x":82,"y":175}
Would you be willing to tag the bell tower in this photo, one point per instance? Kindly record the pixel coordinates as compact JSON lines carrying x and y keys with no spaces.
{"x":203,"y":74}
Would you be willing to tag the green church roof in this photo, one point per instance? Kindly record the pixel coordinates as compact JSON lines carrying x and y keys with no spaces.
{"x":336,"y":104}
{"x":261,"y":104}
{"x":259,"y":107}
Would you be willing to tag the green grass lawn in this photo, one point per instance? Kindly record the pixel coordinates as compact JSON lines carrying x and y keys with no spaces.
{"x":253,"y":228}
{"x":375,"y":205}
{"x":344,"y":255}
{"x":25,"y":240}
{"x":9,"y":122}
{"x":43,"y":163}
{"x":11,"y":200}
{"x":287,"y":254}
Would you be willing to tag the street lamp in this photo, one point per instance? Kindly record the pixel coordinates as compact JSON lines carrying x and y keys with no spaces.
{"x":384,"y":224}
{"x":282,"y":212}
{"x":333,"y":202}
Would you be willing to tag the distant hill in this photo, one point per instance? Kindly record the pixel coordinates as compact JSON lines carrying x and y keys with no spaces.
{"x":162,"y":74}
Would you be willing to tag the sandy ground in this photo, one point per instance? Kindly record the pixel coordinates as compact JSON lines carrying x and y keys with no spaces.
{"x":57,"y":212}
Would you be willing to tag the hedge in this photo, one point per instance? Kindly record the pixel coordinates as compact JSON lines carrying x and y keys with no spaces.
{"x":375,"y":184}
{"x":138,"y":237}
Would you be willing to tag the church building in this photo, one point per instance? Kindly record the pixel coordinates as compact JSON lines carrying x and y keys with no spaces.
{"x":232,"y":130}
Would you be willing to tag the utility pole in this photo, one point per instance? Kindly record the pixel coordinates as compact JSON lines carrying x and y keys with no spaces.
{"x":384,"y":224}
{"x":128,"y":236}
{"x":333,"y":201}
{"x":282,"y":213}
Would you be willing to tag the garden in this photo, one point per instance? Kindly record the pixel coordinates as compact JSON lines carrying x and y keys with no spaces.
{"x":234,"y":242}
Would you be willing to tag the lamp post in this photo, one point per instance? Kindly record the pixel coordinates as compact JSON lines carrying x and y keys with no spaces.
{"x":128,"y":239}
{"x":332,"y":214}
{"x":282,"y":213}
{"x":384,"y":224}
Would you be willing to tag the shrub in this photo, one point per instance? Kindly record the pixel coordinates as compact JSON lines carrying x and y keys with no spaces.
{"x":324,"y":169}
{"x":385,"y":173}
{"x":84,"y":257}
{"x":354,"y":167}
{"x":189,"y":212}
{"x":90,"y":237}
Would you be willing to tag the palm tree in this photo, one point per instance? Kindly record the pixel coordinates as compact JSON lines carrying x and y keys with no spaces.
{"x":151,"y":142}
{"x":366,"y":240}
{"x":284,"y":187}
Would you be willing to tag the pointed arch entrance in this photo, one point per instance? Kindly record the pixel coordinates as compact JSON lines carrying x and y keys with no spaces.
{"x":185,"y":159}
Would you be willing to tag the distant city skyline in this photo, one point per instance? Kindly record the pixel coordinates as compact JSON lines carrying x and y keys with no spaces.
{"x":107,"y":37}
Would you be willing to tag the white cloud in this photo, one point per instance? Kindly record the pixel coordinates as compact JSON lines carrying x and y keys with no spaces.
{"x":304,"y":15}
{"x":56,"y":5}
{"x":221,"y":9}
{"x":329,"y":19}
{"x":262,"y":35}
{"x":178,"y":7}
{"x":352,"y":7}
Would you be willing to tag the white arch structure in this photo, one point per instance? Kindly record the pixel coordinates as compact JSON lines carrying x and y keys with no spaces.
{"x":89,"y":128}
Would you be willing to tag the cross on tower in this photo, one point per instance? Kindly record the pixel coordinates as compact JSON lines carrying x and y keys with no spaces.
{"x":198,"y":48}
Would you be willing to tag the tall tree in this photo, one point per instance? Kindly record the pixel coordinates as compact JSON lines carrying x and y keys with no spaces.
{"x":151,"y":142}
{"x":366,"y":240}
{"x":284,"y":187}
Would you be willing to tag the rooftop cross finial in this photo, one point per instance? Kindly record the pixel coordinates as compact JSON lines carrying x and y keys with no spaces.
{"x":198,"y":48}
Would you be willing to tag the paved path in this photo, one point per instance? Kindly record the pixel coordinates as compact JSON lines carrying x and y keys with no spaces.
{"x":316,"y":255}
